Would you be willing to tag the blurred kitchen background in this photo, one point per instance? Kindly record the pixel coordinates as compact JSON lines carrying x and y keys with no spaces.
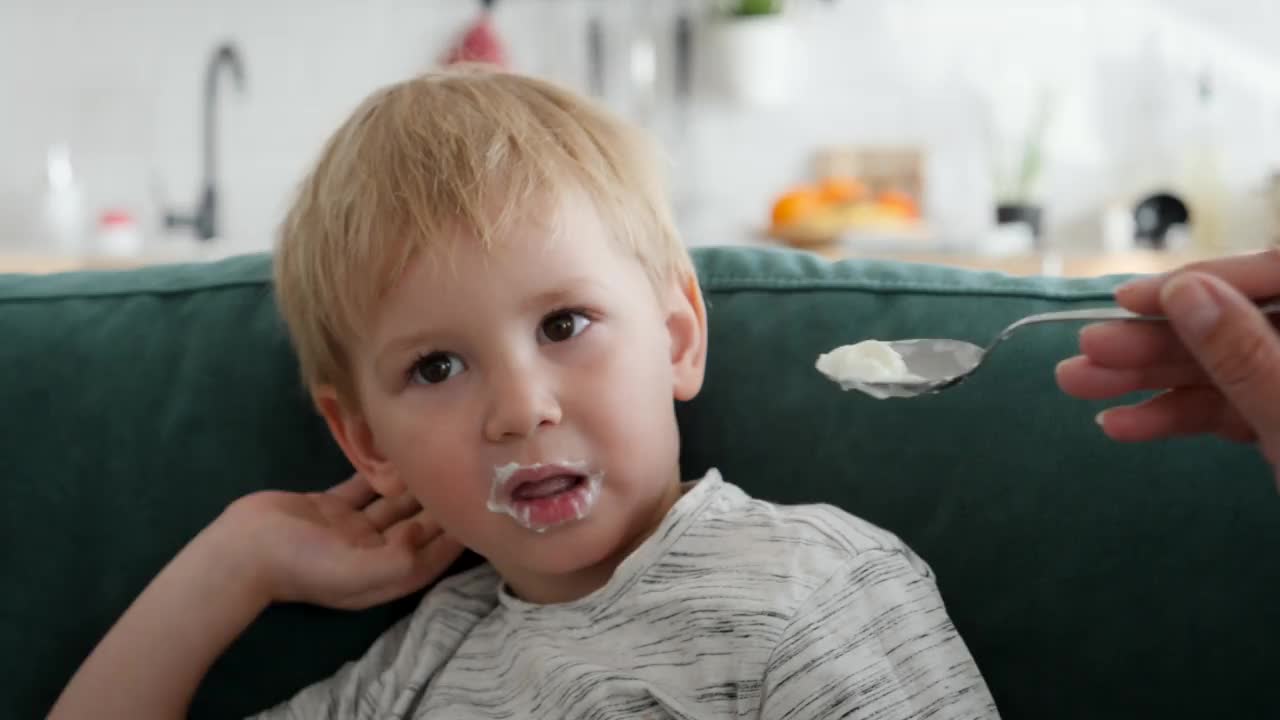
{"x":1055,"y":136}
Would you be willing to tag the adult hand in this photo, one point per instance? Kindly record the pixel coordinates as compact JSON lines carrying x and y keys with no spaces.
{"x":1218,"y":361}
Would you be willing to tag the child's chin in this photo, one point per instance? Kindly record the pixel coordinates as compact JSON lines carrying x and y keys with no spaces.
{"x":570,"y":549}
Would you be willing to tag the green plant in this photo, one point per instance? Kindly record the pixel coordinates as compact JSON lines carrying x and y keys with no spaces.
{"x":1016,"y":181}
{"x":750,"y":8}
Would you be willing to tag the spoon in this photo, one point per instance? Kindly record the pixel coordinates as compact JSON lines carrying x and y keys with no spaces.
{"x":935,"y":364}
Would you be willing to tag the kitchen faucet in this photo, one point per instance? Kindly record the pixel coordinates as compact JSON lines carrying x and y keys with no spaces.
{"x":205,"y":219}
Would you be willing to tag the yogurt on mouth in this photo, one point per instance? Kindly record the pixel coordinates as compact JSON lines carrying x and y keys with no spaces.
{"x":542,"y":496}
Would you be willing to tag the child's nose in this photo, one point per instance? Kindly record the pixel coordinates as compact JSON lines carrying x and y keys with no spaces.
{"x":522,"y":401}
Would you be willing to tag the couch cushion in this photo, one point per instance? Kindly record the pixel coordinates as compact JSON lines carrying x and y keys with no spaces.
{"x":1089,"y":579}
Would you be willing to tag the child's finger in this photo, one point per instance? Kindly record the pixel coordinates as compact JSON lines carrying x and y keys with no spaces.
{"x":1131,"y":344}
{"x":370,"y":571}
{"x":355,"y":491}
{"x":398,"y":571}
{"x":387,"y":511}
{"x":431,"y":561}
{"x":410,"y":532}
{"x":430,"y":527}
{"x":1080,"y":377}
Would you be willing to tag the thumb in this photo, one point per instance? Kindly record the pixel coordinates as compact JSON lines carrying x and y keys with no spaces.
{"x":1235,"y":344}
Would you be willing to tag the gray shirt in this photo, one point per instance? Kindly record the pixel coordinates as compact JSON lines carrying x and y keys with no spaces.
{"x":733,"y":608}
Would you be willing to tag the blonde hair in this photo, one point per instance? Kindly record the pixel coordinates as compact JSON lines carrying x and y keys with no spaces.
{"x":460,"y":153}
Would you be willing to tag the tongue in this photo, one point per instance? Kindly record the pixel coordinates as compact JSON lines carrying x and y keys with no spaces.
{"x":544,"y":488}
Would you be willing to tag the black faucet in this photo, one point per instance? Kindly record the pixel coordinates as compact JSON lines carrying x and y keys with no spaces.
{"x":205,"y":220}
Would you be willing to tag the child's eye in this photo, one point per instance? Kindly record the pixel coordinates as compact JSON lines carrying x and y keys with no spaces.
{"x":435,"y":368}
{"x":561,"y":326}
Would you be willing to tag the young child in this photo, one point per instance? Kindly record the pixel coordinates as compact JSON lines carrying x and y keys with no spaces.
{"x":495,"y":316}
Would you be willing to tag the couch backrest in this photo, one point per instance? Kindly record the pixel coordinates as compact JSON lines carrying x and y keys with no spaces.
{"x":1090,"y":579}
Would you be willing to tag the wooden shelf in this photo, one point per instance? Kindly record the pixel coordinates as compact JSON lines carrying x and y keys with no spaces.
{"x":1065,"y":264}
{"x":1059,"y":264}
{"x":40,"y":265}
{"x":45,"y":263}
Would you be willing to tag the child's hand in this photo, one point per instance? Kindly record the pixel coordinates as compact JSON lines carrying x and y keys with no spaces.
{"x":346,"y":548}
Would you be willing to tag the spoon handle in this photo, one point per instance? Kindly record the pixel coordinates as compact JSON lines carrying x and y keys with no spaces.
{"x":1108,"y":313}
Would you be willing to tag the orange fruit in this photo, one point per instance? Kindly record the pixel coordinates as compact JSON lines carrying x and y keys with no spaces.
{"x":841,"y":190}
{"x":899,"y":204}
{"x":795,"y":205}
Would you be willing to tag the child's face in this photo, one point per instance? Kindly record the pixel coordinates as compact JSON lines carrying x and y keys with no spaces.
{"x":552,"y":349}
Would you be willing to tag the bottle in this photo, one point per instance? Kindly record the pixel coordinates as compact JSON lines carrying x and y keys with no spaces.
{"x":118,"y":234}
{"x":63,"y":225}
{"x":1206,"y":191}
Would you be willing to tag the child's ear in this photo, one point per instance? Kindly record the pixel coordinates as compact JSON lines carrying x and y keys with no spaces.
{"x":355,"y":437}
{"x":687,"y":325}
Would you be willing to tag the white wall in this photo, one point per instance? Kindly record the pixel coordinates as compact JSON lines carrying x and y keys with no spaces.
{"x":121,"y":83}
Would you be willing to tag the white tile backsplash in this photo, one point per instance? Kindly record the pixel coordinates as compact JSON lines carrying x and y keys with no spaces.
{"x":122,"y":82}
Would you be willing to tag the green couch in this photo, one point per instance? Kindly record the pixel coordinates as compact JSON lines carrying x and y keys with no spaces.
{"x":1090,"y":579}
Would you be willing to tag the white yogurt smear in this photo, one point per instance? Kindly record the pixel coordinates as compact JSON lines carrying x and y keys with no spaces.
{"x":864,"y":365}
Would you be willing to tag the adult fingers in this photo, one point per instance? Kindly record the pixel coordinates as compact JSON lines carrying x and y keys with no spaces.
{"x":1256,"y":276}
{"x":1177,"y":412}
{"x":1185,"y":411}
{"x":1080,"y":377}
{"x":1234,"y":343}
{"x":1128,"y":344}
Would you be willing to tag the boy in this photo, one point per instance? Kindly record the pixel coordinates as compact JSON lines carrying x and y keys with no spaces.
{"x":495,"y":315}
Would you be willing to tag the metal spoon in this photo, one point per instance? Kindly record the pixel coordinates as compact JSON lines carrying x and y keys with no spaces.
{"x":942,"y":363}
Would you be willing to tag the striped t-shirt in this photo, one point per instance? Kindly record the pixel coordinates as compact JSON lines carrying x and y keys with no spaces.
{"x":733,"y":608}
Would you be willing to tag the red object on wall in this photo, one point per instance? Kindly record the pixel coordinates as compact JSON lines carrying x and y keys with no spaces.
{"x":480,"y":43}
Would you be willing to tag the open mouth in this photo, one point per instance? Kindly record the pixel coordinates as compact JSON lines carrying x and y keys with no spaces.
{"x":540,"y":497}
{"x":546,"y":488}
